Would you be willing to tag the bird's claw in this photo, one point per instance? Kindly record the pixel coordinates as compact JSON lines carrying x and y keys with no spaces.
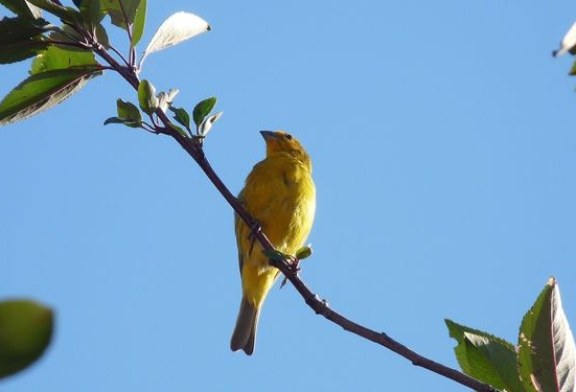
{"x":294,"y":266}
{"x":255,"y":228}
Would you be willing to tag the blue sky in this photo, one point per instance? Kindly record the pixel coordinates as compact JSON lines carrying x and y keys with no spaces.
{"x":445,"y":166}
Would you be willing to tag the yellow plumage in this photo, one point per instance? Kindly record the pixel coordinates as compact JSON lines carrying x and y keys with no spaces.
{"x":280,"y":194}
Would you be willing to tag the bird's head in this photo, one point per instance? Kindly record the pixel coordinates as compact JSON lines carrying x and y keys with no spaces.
{"x":282,"y":142}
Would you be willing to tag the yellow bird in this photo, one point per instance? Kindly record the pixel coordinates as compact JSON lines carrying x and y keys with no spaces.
{"x":281,"y":196}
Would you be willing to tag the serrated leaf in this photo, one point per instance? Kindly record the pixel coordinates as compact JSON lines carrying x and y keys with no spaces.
{"x":182,"y":116}
{"x":25,"y":333}
{"x":56,"y":74}
{"x":486,"y":357}
{"x":179,"y":27}
{"x":147,"y":97}
{"x":128,"y":111}
{"x":43,"y":91}
{"x":547,"y":352}
{"x":202,"y":109}
{"x":22,"y":8}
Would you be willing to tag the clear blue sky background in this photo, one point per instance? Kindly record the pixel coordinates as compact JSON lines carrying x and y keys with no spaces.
{"x":444,"y":153}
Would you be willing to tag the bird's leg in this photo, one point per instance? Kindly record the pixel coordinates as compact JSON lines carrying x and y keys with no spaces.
{"x":294,"y":264}
{"x":255,"y":228}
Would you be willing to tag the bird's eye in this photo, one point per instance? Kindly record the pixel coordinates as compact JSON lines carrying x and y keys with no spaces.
{"x":288,"y":136}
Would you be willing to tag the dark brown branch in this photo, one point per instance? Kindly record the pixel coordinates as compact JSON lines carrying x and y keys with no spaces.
{"x":194,"y":149}
{"x":319,"y":306}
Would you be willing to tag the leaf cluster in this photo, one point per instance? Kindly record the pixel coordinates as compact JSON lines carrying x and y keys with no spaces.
{"x":544,"y":358}
{"x":67,"y":55}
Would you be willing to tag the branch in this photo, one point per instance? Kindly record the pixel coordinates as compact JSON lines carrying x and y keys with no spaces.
{"x":194,"y":149}
{"x":313,"y":301}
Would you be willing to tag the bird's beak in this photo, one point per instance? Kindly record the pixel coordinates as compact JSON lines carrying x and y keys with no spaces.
{"x":268,"y":135}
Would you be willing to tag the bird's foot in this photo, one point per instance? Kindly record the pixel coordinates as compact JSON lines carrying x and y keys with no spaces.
{"x":294,"y":266}
{"x":255,"y":229}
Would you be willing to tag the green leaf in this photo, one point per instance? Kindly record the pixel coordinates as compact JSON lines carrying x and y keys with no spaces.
{"x":486,"y":357}
{"x":127,"y":14}
{"x":139,"y":22}
{"x":25,"y":333}
{"x":547,"y":353}
{"x":19,"y":29}
{"x":91,"y":12}
{"x":182,"y":116}
{"x":128,"y":111}
{"x":114,"y":120}
{"x":573,"y":70}
{"x":67,"y":34}
{"x":127,"y":122}
{"x":21,"y":38}
{"x":202,"y":109}
{"x":66,"y":14}
{"x":304,"y":252}
{"x":102,"y":36}
{"x":59,"y":58}
{"x":21,"y":8}
{"x":11,"y":53}
{"x":42,"y":91}
{"x":56,"y":74}
{"x":147,"y":97}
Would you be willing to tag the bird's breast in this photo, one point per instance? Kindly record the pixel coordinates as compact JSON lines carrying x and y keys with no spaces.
{"x":282,"y":198}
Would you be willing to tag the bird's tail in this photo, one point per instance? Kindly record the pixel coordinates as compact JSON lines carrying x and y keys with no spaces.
{"x":245,"y":331}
